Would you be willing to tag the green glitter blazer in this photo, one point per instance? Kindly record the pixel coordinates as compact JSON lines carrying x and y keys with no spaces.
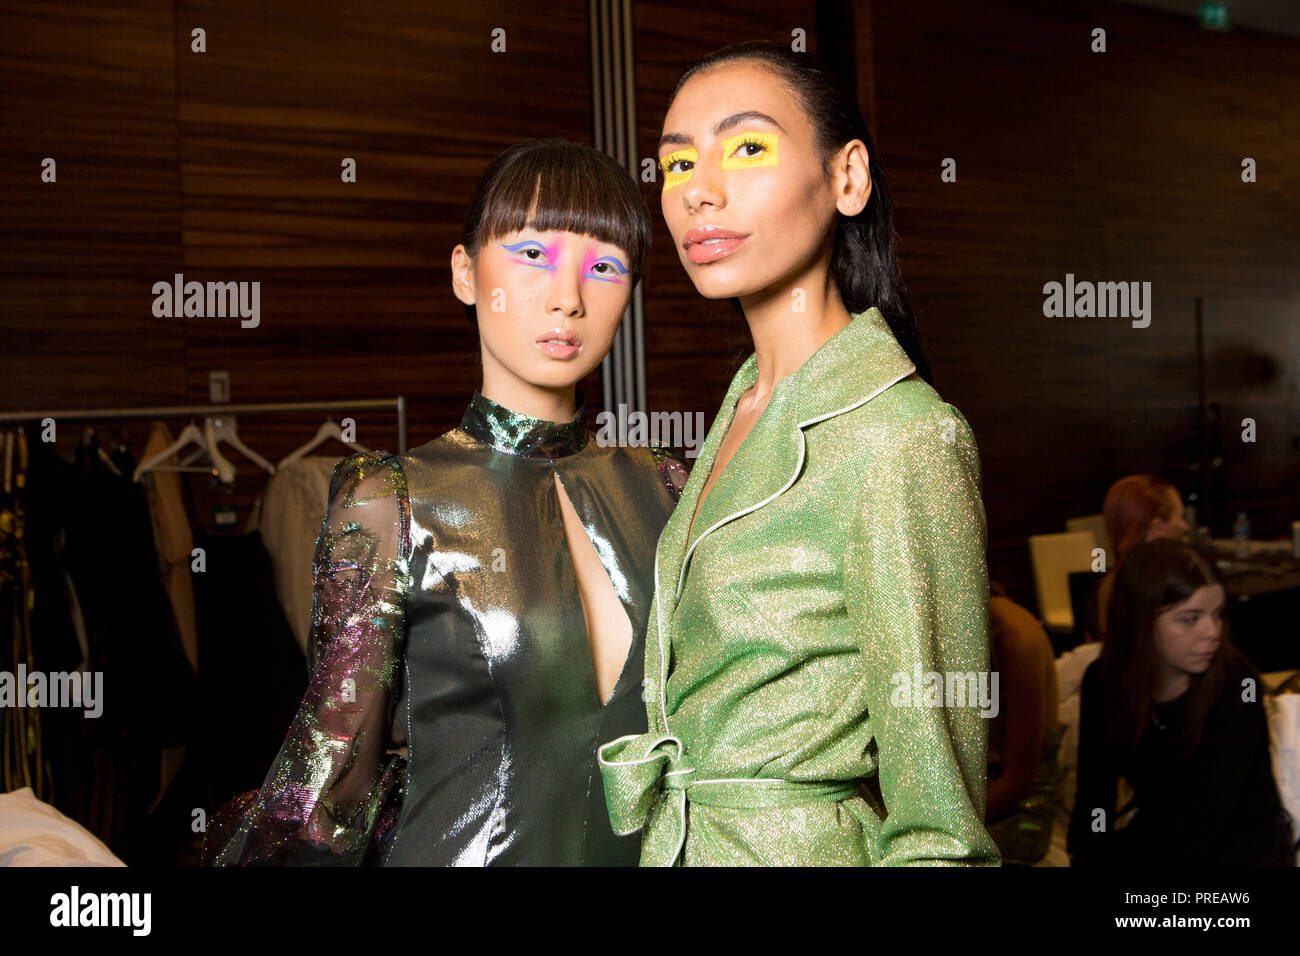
{"x":838,"y":561}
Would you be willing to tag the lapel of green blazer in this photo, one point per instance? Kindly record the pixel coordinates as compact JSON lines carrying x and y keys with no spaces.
{"x":853,"y":366}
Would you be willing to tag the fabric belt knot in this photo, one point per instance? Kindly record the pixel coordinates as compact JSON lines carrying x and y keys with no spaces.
{"x":649,"y":779}
{"x":633,"y":768}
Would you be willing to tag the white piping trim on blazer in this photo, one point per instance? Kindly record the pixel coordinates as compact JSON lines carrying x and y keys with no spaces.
{"x":663,"y":705}
{"x":600,"y":758}
{"x":659,"y":639}
{"x":681,"y":572}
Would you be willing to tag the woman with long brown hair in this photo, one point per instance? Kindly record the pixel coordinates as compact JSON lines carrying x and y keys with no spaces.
{"x":1173,"y":707}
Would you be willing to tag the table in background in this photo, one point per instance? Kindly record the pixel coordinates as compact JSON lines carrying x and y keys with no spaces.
{"x":1263,"y":601}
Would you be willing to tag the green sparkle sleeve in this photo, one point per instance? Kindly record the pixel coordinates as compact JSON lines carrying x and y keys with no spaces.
{"x":916,"y":586}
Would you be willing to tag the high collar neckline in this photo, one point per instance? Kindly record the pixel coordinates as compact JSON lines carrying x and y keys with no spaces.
{"x":518,"y":434}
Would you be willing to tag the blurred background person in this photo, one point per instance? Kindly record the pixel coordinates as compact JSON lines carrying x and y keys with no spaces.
{"x":1136,"y":508}
{"x":1173,"y":707}
{"x":1024,"y":777}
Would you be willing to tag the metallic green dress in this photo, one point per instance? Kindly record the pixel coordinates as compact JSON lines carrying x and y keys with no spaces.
{"x":836,"y":564}
{"x":452,"y":715}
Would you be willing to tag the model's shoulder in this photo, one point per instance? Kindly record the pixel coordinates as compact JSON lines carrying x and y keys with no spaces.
{"x":673,"y":468}
{"x":913,"y":398}
{"x":910,"y":413}
{"x":451,"y":446}
{"x":363,"y":464}
{"x":365,"y":477}
{"x":901,"y":402}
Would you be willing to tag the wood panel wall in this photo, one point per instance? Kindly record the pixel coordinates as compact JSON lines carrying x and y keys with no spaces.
{"x":224,"y":166}
{"x":1124,"y":165}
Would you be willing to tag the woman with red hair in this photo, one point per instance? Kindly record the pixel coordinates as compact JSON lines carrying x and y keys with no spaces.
{"x":1137,"y":508}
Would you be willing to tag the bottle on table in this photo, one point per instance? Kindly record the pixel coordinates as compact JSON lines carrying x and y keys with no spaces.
{"x":1241,"y":536}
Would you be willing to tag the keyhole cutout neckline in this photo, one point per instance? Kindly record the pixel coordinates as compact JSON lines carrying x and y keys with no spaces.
{"x":524,"y":436}
{"x":599,"y":601}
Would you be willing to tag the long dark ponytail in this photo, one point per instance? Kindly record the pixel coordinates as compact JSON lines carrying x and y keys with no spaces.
{"x":864,"y":262}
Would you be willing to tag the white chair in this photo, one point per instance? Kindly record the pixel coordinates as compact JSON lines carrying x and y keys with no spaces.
{"x":1054,"y":557}
{"x":1097,"y":525}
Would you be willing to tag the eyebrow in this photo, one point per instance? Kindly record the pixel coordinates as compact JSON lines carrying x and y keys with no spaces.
{"x":735,"y":119}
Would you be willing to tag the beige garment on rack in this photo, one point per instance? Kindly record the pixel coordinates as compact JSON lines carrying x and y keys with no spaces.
{"x":173,"y":538}
{"x":288,"y":515}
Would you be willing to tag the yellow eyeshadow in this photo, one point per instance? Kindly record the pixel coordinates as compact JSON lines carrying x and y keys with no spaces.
{"x":768,"y":157}
{"x":672,"y":179}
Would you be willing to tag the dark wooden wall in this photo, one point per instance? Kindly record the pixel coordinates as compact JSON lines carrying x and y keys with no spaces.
{"x":1124,"y":165}
{"x":225,"y":166}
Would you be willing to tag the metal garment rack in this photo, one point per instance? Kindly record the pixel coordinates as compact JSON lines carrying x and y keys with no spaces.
{"x":216,"y":411}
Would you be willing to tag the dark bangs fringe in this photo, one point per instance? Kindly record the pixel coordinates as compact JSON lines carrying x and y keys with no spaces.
{"x":575,"y":188}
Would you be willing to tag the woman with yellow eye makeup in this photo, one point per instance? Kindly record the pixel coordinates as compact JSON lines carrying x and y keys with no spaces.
{"x":824,"y":572}
{"x":481,"y":602}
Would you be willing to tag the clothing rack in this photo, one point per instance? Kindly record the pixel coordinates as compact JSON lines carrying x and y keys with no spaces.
{"x":216,"y":411}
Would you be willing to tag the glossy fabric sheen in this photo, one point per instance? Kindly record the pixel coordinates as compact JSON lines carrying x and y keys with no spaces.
{"x":842,"y":545}
{"x":448,"y":616}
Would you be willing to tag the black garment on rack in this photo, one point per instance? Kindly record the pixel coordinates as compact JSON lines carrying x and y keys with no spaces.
{"x":64,"y":745}
{"x":251,"y":673}
{"x":96,"y":526}
{"x":148,"y":684}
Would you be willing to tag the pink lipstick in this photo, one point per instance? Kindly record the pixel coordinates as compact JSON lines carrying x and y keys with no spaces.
{"x":709,"y":243}
{"x":561,"y":343}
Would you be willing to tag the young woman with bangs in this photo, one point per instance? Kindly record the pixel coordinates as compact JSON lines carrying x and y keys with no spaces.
{"x":481,"y":602}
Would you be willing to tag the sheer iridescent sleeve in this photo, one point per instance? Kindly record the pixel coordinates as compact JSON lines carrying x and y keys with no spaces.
{"x":331,"y":789}
{"x":673,"y":469}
